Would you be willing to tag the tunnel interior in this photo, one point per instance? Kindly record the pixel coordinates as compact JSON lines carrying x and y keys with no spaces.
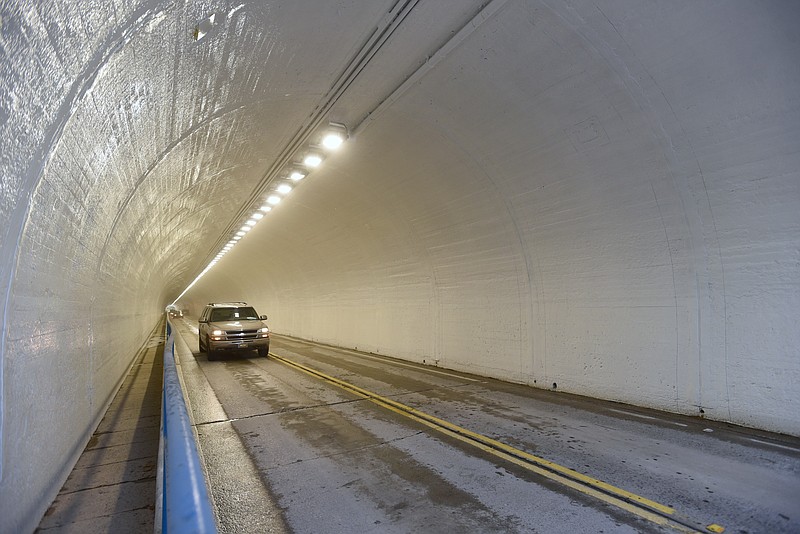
{"x":601,"y":197}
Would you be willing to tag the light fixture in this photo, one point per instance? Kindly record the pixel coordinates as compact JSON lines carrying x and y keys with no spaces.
{"x":265,"y":208}
{"x":284,"y":188}
{"x":312,"y":159}
{"x":296,"y":175}
{"x":335,"y":134}
{"x":237,"y":238}
{"x":245,"y":229}
{"x":257,"y":216}
{"x":251,"y":223}
{"x":273,"y":199}
{"x":241,"y":232}
{"x":332,"y":141}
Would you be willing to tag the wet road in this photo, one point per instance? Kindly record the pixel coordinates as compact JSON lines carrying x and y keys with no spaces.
{"x":316,"y":439}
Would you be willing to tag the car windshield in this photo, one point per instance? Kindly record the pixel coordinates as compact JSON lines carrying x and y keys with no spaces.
{"x":233,"y":314}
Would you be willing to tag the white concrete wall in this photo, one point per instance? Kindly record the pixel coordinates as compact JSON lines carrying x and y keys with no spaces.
{"x":82,"y":273}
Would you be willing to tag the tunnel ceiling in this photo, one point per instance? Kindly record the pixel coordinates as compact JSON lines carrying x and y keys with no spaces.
{"x":187,"y":111}
{"x":593,"y":193}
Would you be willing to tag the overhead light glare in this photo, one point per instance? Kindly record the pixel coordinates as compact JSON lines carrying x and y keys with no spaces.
{"x":257,"y":216}
{"x":312,"y":160}
{"x":296,"y":175}
{"x":251,"y":223}
{"x":241,"y":232}
{"x":274,"y":200}
{"x":332,"y":141}
{"x":335,"y":135}
{"x":244,"y":229}
{"x":266,"y":209}
{"x":284,"y":188}
{"x":238,"y":237}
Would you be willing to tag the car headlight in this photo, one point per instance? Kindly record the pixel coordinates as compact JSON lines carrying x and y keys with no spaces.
{"x":264,"y":330}
{"x":216,"y":333}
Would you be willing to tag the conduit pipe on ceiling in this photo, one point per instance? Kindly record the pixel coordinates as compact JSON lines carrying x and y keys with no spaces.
{"x":388,"y":25}
{"x":482,"y":16}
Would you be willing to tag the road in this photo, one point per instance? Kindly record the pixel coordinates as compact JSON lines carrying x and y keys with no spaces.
{"x":315,"y":439}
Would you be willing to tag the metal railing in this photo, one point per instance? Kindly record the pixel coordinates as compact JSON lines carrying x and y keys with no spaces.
{"x":182,"y":501}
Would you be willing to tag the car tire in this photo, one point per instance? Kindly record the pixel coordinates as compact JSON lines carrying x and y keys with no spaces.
{"x":263,"y":352}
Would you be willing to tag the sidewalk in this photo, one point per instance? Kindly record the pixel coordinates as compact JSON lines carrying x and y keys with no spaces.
{"x":112,"y":487}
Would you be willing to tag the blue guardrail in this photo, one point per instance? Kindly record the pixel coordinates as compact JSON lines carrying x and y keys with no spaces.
{"x":182,"y":501}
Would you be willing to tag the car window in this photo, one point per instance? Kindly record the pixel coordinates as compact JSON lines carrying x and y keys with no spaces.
{"x":233,"y":314}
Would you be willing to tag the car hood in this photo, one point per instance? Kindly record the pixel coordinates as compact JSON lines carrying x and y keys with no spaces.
{"x":253,"y":324}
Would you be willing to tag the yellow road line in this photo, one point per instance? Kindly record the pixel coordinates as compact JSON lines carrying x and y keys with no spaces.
{"x":631,"y":502}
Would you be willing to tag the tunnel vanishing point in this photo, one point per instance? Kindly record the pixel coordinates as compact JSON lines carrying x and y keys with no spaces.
{"x":597,"y":196}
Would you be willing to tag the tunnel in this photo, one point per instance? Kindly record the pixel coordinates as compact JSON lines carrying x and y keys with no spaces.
{"x":598,"y":197}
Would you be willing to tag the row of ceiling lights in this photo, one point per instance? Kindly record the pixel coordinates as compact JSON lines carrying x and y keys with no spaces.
{"x":331,"y":139}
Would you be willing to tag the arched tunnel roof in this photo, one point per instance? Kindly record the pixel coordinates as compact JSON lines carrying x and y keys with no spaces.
{"x":601,"y":194}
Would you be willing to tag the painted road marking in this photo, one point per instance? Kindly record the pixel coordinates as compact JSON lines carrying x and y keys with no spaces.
{"x":418,"y":367}
{"x":641,"y":506}
{"x":786,"y":447}
{"x":421,"y":368}
{"x":642,"y":416}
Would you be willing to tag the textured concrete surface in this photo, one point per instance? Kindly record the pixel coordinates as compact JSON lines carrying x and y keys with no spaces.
{"x":311,"y":457}
{"x":112,"y":487}
{"x":596,"y":196}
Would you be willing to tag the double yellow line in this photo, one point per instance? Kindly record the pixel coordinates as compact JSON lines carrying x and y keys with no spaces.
{"x":635,"y":504}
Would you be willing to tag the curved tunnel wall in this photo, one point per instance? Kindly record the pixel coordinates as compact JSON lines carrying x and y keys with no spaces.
{"x":598,"y":195}
{"x":617,"y":214}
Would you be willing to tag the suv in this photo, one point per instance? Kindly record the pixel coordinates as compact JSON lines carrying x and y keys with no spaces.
{"x":232,"y":326}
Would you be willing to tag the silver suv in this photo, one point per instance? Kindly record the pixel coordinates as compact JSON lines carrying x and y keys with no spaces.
{"x":232,"y":326}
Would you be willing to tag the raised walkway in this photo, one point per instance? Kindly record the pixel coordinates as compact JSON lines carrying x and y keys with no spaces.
{"x":112,"y":487}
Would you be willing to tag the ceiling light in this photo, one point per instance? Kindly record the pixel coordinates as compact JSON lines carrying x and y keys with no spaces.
{"x":265,"y":209}
{"x":273,"y":199}
{"x":231,"y":243}
{"x":251,"y":223}
{"x":241,"y":232}
{"x":296,"y":175}
{"x":335,"y":135}
{"x":332,"y":141}
{"x":237,"y":238}
{"x":284,"y":188}
{"x":244,"y":229}
{"x":312,"y":159}
{"x":257,"y":216}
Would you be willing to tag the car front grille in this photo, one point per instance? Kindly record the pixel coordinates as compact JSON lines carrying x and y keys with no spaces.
{"x":243,"y":335}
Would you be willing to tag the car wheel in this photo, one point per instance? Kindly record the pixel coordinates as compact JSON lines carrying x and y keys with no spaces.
{"x":263,"y":352}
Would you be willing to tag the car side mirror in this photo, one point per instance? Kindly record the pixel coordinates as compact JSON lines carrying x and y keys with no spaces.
{"x":263,"y":317}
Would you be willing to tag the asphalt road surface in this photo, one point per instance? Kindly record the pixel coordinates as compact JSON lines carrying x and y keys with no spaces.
{"x":315,"y":439}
